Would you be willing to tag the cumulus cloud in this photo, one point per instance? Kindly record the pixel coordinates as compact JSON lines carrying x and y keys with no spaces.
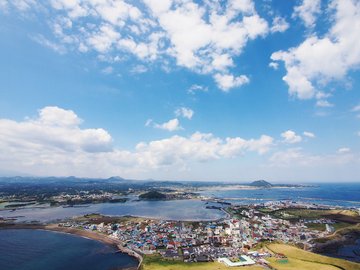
{"x":279,"y":24}
{"x":55,"y":142}
{"x":290,"y":136}
{"x":54,"y":129}
{"x":227,"y":81}
{"x":274,"y":65}
{"x":197,"y":88}
{"x":320,"y":60}
{"x":200,"y":147}
{"x":324,"y":104}
{"x":171,"y":125}
{"x":184,"y":112}
{"x":308,"y":11}
{"x":203,"y":37}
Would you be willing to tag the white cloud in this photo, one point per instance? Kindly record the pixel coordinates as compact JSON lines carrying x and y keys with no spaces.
{"x":309,"y":134}
{"x":356,"y":108}
{"x":3,"y":5}
{"x":148,"y":122}
{"x":20,"y":5}
{"x":55,"y":129}
{"x":291,"y":137}
{"x":54,"y":142}
{"x":208,"y":45}
{"x":197,"y":88}
{"x":320,"y":60}
{"x":184,"y":112}
{"x":308,"y":11}
{"x":104,"y":38}
{"x":274,"y":65}
{"x":203,"y":37}
{"x":297,"y":158}
{"x":324,"y":104}
{"x":107,"y":70}
{"x":289,"y":157}
{"x":171,"y":125}
{"x":199,"y":146}
{"x":279,"y":24}
{"x":138,"y":69}
{"x":49,"y":44}
{"x":343,"y":150}
{"x":227,"y":81}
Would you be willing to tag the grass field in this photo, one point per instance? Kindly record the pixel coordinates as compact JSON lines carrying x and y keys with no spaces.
{"x":155,"y":262}
{"x":295,"y":264}
{"x":300,"y":259}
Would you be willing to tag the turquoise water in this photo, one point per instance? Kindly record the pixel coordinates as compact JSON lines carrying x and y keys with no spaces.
{"x":44,"y":250}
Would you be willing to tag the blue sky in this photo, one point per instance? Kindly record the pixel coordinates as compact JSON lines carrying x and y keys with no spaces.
{"x":187,"y":90}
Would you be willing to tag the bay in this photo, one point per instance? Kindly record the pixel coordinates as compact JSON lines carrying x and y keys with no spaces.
{"x":43,"y":250}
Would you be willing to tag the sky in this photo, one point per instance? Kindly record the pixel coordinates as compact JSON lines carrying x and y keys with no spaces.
{"x":233,"y":90}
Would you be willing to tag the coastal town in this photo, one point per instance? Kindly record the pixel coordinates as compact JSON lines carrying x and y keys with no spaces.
{"x":233,"y":241}
{"x":224,"y":232}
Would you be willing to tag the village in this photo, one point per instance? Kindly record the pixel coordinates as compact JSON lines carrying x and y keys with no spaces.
{"x":230,"y":240}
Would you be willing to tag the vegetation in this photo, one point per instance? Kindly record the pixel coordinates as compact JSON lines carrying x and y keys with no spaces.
{"x":152,"y":195}
{"x":301,"y":259}
{"x":299,"y":264}
{"x":97,"y":219}
{"x":156,"y":262}
{"x":343,"y":218}
{"x":296,"y":259}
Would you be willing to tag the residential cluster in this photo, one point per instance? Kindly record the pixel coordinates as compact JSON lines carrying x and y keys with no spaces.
{"x":228,"y":240}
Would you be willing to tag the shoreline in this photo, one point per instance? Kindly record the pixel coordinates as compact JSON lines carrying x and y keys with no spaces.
{"x":81,"y":233}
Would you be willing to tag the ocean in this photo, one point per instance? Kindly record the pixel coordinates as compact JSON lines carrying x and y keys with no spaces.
{"x":44,"y":250}
{"x":344,"y":194}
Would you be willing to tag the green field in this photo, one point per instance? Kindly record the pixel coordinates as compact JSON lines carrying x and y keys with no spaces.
{"x":300,"y":259}
{"x":342,"y":218}
{"x":156,"y":262}
{"x":297,"y":259}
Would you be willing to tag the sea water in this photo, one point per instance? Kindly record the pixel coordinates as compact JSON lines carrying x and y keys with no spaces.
{"x":44,"y":250}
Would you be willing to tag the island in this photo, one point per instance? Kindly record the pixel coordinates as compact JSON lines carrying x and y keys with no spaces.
{"x":152,"y":195}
